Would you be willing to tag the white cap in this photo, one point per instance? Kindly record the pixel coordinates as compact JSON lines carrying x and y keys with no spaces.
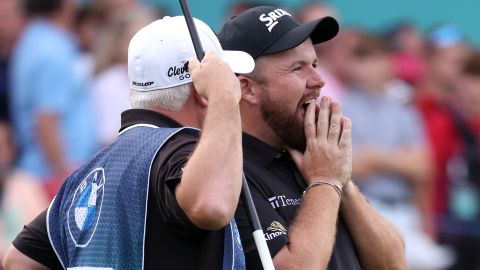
{"x":158,"y":54}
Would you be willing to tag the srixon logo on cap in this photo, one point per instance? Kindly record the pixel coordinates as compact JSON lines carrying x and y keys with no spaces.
{"x":271,"y":18}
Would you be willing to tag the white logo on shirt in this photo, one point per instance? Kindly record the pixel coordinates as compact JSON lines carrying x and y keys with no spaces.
{"x":283,"y":201}
{"x":274,"y":230}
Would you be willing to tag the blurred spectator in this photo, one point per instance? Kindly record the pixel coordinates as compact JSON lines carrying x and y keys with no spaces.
{"x":110,"y":86}
{"x":446,"y":54}
{"x":86,"y":29}
{"x":408,"y":47}
{"x":408,"y":54}
{"x":11,"y":24}
{"x":241,"y":6}
{"x":467,"y":92}
{"x":459,"y":226}
{"x":390,"y":158}
{"x":51,"y":108}
{"x":335,"y":55}
{"x":107,"y":9}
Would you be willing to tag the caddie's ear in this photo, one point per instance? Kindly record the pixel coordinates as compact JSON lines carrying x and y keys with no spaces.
{"x":250,"y":89}
{"x":198,"y":98}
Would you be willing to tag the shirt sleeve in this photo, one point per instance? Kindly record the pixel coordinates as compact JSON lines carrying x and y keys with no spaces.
{"x":34,"y":243}
{"x":166,"y":174}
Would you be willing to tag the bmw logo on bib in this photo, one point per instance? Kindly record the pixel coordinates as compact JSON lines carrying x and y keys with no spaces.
{"x":86,"y":208}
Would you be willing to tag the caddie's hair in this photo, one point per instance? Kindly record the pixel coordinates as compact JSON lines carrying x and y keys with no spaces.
{"x":172,"y":99}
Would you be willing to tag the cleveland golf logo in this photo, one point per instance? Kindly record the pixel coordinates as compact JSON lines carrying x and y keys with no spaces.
{"x":180,"y":72}
{"x":271,"y":19}
{"x":274,"y":230}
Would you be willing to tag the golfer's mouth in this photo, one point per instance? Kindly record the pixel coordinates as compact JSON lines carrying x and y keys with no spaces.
{"x":305,"y":105}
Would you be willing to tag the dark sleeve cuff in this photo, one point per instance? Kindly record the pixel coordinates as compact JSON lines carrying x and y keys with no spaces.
{"x":33,"y":242}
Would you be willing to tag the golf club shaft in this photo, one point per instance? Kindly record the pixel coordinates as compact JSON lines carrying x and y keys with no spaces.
{"x":197,"y":45}
{"x":253,"y":219}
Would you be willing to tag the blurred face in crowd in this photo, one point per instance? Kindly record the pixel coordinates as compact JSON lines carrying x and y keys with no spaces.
{"x":127,"y":34}
{"x":445,"y":64}
{"x":468,"y":94}
{"x":11,"y":23}
{"x":373,"y":71}
{"x":112,"y":43}
{"x":288,"y":80}
{"x":338,"y":53}
{"x":410,"y":40}
{"x":372,"y":66}
{"x":86,"y":31}
{"x":68,"y":13}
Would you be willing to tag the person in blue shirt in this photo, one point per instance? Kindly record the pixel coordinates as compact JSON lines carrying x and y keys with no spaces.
{"x":52,"y":115}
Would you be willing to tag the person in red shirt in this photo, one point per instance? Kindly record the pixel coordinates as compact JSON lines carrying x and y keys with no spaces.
{"x":446,"y":54}
{"x":446,"y":100}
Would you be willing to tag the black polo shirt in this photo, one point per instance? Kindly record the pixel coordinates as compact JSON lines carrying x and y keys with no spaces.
{"x":172,"y":241}
{"x":276,"y":186}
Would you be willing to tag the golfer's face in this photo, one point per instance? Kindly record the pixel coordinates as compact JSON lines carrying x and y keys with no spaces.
{"x":291,"y":82}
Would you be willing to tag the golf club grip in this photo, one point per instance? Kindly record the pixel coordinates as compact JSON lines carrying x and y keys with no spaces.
{"x":197,"y":45}
{"x":263,"y":251}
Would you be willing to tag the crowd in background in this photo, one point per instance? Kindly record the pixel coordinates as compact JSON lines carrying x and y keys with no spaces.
{"x":413,"y":97}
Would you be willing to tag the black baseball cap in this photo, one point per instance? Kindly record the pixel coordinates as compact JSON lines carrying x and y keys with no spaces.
{"x":265,"y":30}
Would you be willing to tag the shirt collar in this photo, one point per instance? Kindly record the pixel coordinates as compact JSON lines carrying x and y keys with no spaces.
{"x":141,"y":116}
{"x":259,"y":151}
{"x":253,"y":148}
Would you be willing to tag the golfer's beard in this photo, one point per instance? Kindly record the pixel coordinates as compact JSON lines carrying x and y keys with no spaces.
{"x":285,"y":125}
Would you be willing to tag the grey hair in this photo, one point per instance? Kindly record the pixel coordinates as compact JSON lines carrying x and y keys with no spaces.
{"x":172,"y":99}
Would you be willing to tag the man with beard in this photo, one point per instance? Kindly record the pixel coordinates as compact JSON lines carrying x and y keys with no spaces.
{"x":298,"y":155}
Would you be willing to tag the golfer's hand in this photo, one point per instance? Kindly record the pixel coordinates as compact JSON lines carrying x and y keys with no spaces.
{"x":328,"y":155}
{"x":213,"y":78}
